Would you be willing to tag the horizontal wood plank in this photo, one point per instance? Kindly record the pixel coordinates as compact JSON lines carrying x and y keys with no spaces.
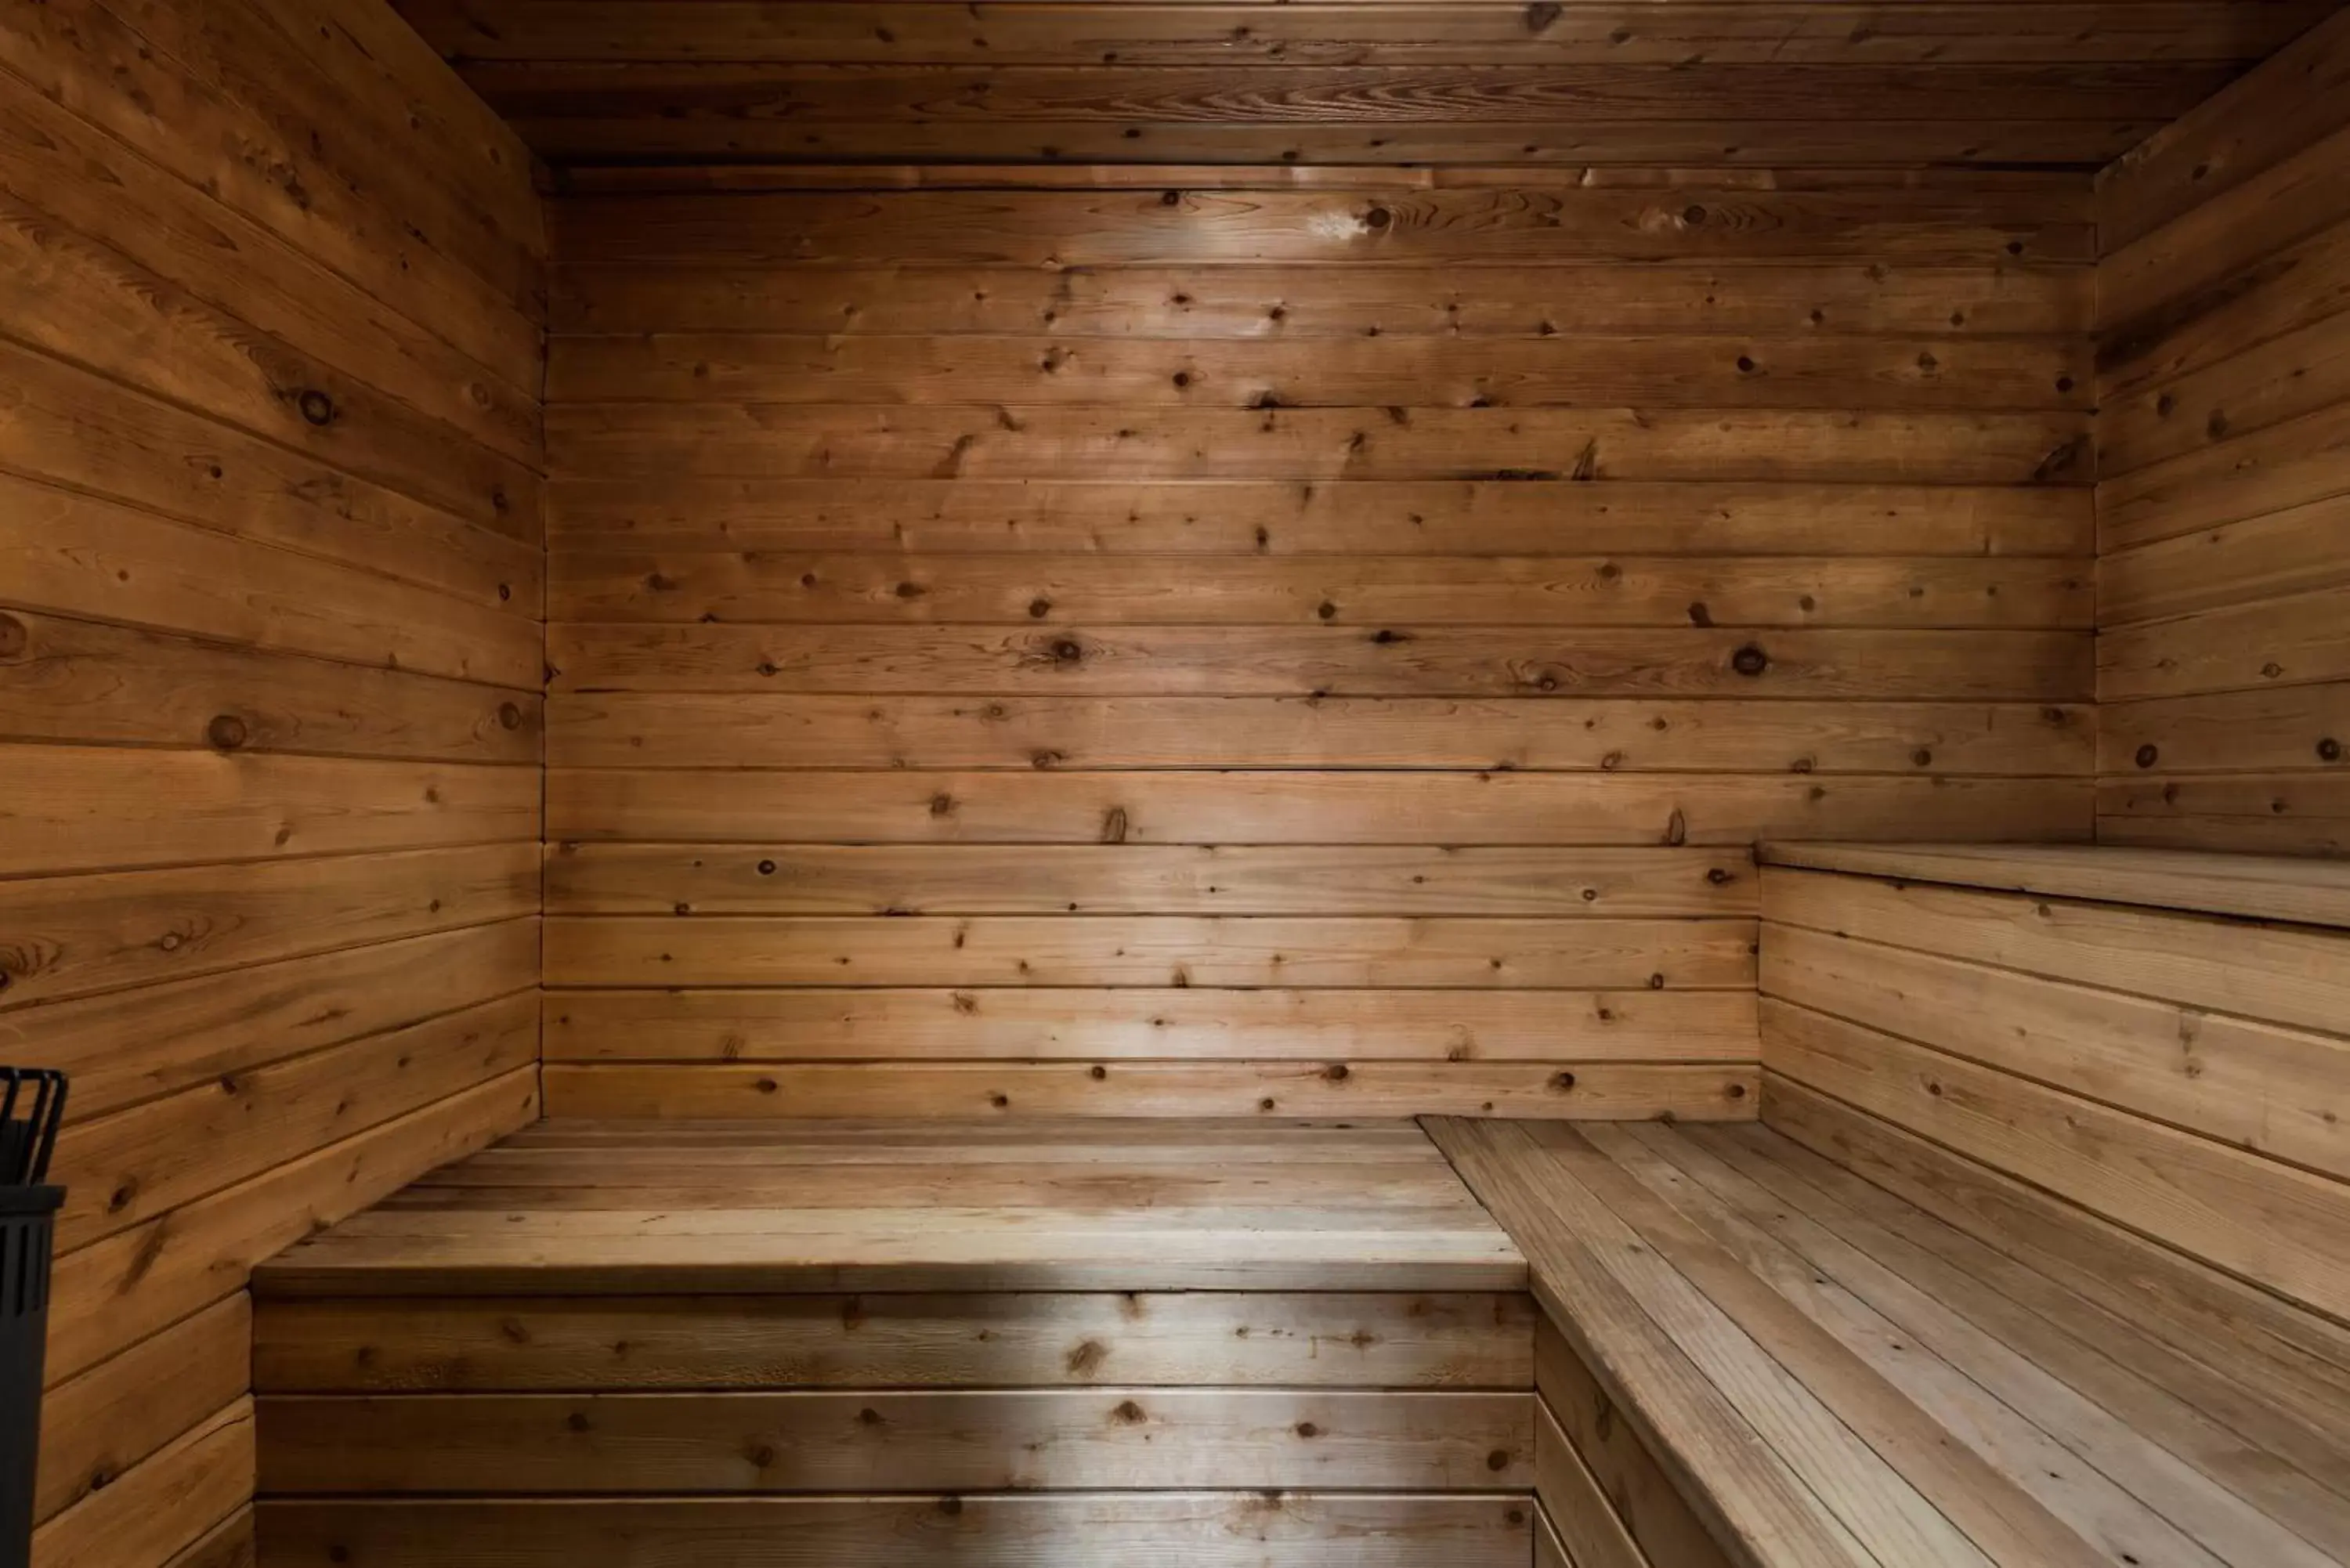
{"x":73,"y":681}
{"x":1387,"y":661}
{"x":2275,"y":814}
{"x":1299,"y":807}
{"x":2253,"y":1086}
{"x":686,"y":730}
{"x":1187,"y":1530}
{"x":80,"y":808}
{"x":1146,"y":949}
{"x":1680,"y":369}
{"x":126,"y":1045}
{"x":74,"y":554}
{"x":637,"y":441}
{"x":879,"y":1442}
{"x":760,"y":587}
{"x":1397,"y":31}
{"x":70,"y":426}
{"x":942,"y":879}
{"x":80,"y":935}
{"x":1147,"y":1024}
{"x":2277,"y":733}
{"x":2265,"y":1222}
{"x":142,"y":1162}
{"x":1525,"y":514}
{"x":1557,"y":223}
{"x":1206,"y":302}
{"x":1251,"y":1338}
{"x":2303,"y":891}
{"x":1560,"y":1087}
{"x":2274,"y":972}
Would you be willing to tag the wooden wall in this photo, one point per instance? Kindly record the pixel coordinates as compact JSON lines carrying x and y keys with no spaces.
{"x":270,"y":592}
{"x":2224,"y":516}
{"x":1302,"y":642}
{"x":2179,"y":1077}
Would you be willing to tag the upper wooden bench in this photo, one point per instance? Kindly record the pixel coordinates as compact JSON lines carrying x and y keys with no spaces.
{"x":1820,"y":1371}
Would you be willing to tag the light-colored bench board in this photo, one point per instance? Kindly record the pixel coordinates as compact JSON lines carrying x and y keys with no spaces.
{"x":762,"y":1209}
{"x":1785,"y":1337}
{"x":2259,"y":887}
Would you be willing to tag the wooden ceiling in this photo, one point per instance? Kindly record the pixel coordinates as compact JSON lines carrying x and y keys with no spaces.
{"x":1772,"y":83}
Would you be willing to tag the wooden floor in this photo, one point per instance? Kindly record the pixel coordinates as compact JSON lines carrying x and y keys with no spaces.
{"x":771,"y":1346}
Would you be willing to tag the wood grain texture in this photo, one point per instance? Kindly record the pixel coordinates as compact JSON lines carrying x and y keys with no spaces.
{"x":1209,"y":637}
{"x":1145,"y":1024}
{"x":1201,"y":1205}
{"x":270,"y":684}
{"x":171,"y":1500}
{"x":2027,"y":219}
{"x":1402,"y":31}
{"x":2110,"y":1054}
{"x":2259,"y":887}
{"x":1600,"y":1090}
{"x":97,"y":1426}
{"x":2271,"y":1373}
{"x":980,"y":879}
{"x":865,"y":1441}
{"x":1660,"y":1520}
{"x":1392,"y":1340}
{"x":1528,"y":511}
{"x":1776,"y":1306}
{"x":1147,"y":1317}
{"x":2226,"y":302}
{"x":1367,"y":83}
{"x":1187,"y":1530}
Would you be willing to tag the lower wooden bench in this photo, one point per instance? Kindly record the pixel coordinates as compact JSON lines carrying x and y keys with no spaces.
{"x":1754,"y":1357}
{"x":850,"y":1345}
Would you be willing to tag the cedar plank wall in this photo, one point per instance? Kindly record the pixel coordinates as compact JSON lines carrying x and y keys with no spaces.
{"x":2224,"y":516}
{"x":270,"y":458}
{"x":2179,"y":1077}
{"x":1306,"y":642}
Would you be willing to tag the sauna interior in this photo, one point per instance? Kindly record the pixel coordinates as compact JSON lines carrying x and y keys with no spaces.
{"x":1218,"y":784}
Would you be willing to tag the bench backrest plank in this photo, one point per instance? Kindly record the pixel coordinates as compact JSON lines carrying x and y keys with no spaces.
{"x":2184,"y":1076}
